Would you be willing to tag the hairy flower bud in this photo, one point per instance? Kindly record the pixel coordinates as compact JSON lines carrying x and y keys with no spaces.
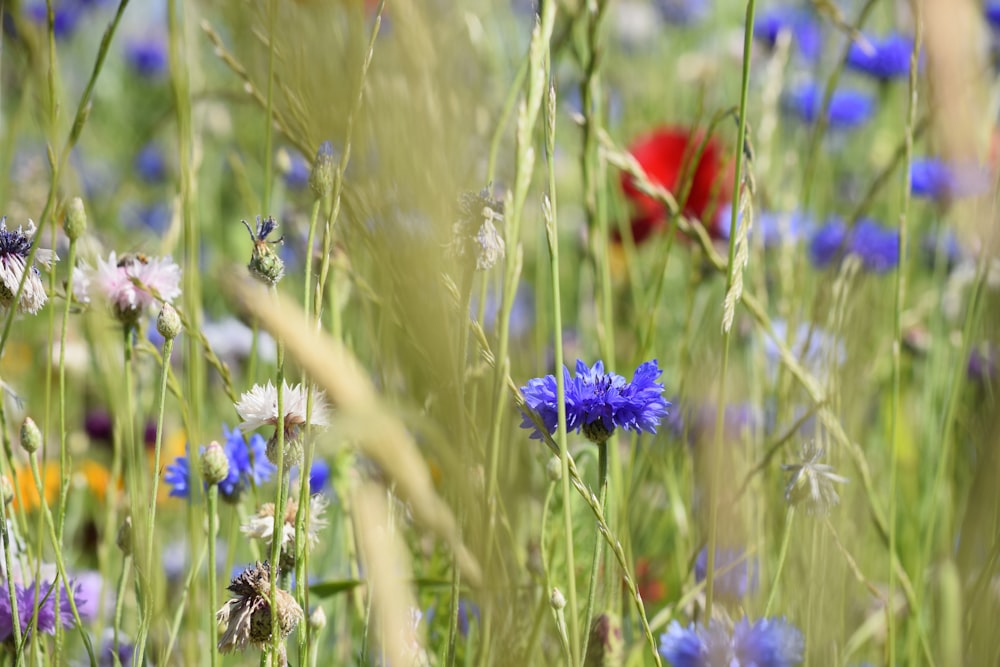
{"x":168,"y":322}
{"x":321,"y":178}
{"x":124,"y":538}
{"x":31,"y":437}
{"x":214,"y":463}
{"x":554,"y":469}
{"x":76,"y":219}
{"x":557,"y":599}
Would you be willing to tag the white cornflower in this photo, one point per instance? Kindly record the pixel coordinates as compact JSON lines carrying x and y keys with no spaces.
{"x":259,"y":407}
{"x":15,"y":247}
{"x":812,"y":482}
{"x":261,"y":524}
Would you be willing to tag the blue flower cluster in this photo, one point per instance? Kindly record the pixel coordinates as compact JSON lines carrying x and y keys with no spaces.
{"x":765,"y":643}
{"x":882,"y":59}
{"x":876,"y":246}
{"x":248,"y":465}
{"x":802,"y":25}
{"x":48,"y":615}
{"x":934,"y":179}
{"x":598,"y":402}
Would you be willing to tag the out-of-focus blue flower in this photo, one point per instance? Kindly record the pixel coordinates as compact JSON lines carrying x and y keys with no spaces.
{"x":319,"y":475}
{"x":934,"y":179}
{"x":950,"y":248}
{"x":875,"y":245}
{"x":598,"y":402}
{"x":982,"y":365}
{"x":248,"y":465}
{"x":848,"y":108}
{"x":736,"y":572}
{"x":137,"y":215}
{"x":150,"y":163}
{"x":682,"y":12}
{"x":66,"y":16}
{"x":48,"y":615}
{"x":827,"y":242}
{"x":468,"y":612}
{"x":108,"y":658}
{"x":294,"y":168}
{"x":696,"y":422}
{"x":805,"y":30}
{"x":146,"y":56}
{"x":522,"y":313}
{"x":883,"y":59}
{"x":766,"y":643}
{"x":772,"y":227}
{"x":992,"y":12}
{"x":812,"y":346}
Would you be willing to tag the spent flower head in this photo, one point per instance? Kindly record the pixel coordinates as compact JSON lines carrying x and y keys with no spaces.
{"x":248,"y":616}
{"x":265,"y":264}
{"x":15,"y":248}
{"x":811,"y":484}
{"x":598,"y":402}
{"x":476,"y":237}
{"x":261,"y":524}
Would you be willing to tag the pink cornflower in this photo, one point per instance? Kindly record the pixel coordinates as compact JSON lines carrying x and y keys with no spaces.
{"x":131,"y":283}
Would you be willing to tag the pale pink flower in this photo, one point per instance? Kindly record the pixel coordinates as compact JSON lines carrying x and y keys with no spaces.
{"x":131,"y":283}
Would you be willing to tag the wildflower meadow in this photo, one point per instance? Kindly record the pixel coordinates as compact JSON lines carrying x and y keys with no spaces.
{"x":597,"y":333}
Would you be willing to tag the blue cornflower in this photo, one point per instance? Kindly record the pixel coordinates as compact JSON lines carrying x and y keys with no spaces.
{"x":766,"y":643}
{"x":319,"y":475}
{"x":736,"y":574}
{"x":697,"y":421}
{"x":248,"y":465}
{"x":992,"y":11}
{"x":804,"y":28}
{"x":468,"y":612}
{"x":681,"y":12}
{"x":848,"y":108}
{"x":147,"y":57}
{"x":934,"y":179}
{"x":883,"y":59}
{"x":875,"y":245}
{"x":48,"y":615}
{"x":598,"y":402}
{"x":827,"y":242}
{"x":814,"y":347}
{"x":150,"y":164}
{"x":295,"y":169}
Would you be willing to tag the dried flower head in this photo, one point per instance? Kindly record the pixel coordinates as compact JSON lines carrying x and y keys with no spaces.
{"x":247,"y":616}
{"x":259,"y":407}
{"x":812,"y":483}
{"x":131,"y":283}
{"x":475,"y":234}
{"x":265,"y":264}
{"x":15,"y":247}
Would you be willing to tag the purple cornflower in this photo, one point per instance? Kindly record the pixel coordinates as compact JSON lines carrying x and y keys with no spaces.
{"x":875,"y":245}
{"x":802,"y":25}
{"x":66,"y":16}
{"x":848,"y":108}
{"x":766,"y":643}
{"x":147,"y":57}
{"x":248,"y":466}
{"x":882,"y":59}
{"x":935,"y":179}
{"x":48,"y":615}
{"x":150,"y":164}
{"x":736,"y":573}
{"x":598,"y":402}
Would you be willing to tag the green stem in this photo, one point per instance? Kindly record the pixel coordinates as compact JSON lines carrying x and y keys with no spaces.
{"x":120,"y":603}
{"x":595,"y":567}
{"x":783,"y":555}
{"x":279,"y":501}
{"x":268,"y":121}
{"x":720,"y":414}
{"x":213,"y":530}
{"x":168,"y":346}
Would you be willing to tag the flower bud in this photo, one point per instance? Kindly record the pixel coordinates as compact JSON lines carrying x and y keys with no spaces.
{"x":214,"y":463}
{"x":554,"y":469}
{"x":321,"y":178}
{"x":557,"y":599}
{"x":76,"y":219}
{"x":124,"y":539}
{"x":6,"y":489}
{"x":168,"y":322}
{"x":31,"y":437}
{"x":317,"y":619}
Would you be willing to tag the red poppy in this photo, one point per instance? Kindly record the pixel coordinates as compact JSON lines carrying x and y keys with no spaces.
{"x":663,"y":154}
{"x":650,"y":587}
